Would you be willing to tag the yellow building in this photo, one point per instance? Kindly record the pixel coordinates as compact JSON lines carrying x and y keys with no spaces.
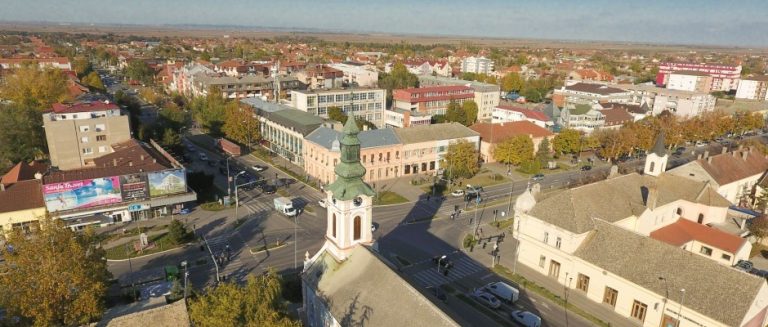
{"x":21,"y":198}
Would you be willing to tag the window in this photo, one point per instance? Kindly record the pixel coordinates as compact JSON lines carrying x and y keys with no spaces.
{"x":701,"y":218}
{"x":610,"y":296}
{"x":546,"y":237}
{"x":583,"y":283}
{"x":101,"y":138}
{"x":356,"y":228}
{"x":725,"y":257}
{"x":100,"y":127}
{"x":558,"y":242}
{"x":102,"y":149}
{"x":705,"y":251}
{"x":638,"y":310}
{"x":333,"y":226}
{"x":679,"y":211}
{"x":84,"y":139}
{"x":87,"y":151}
{"x":554,"y":269}
{"x":542,"y":261}
{"x":85,"y":128}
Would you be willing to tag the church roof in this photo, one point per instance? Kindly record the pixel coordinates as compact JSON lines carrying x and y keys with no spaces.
{"x":363,"y":290}
{"x":659,"y":148}
{"x":349,"y":183}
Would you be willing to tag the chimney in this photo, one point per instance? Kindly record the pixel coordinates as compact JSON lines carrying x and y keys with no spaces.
{"x":744,"y":155}
{"x":130,"y":163}
{"x":114,"y":162}
{"x":699,"y":156}
{"x":142,"y":157}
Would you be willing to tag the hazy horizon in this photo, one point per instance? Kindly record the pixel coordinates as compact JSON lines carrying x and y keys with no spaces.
{"x":738,"y":23}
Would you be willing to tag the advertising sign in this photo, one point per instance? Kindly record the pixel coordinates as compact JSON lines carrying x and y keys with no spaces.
{"x":167,"y":182}
{"x":134,"y":187}
{"x":82,"y":194}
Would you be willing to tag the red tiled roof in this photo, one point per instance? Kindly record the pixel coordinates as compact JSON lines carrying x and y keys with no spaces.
{"x":436,"y":88}
{"x":684,"y":231}
{"x":61,"y":108}
{"x":495,"y":133}
{"x":23,"y":195}
{"x":530,"y":114}
{"x":22,"y":172}
{"x":732,"y":166}
{"x":616,"y":116}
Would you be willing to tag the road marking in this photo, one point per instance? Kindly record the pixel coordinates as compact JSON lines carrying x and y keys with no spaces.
{"x":487,"y":276}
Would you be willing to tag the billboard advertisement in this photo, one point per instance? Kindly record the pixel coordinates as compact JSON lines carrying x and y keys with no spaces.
{"x":134,"y":187}
{"x":167,"y":182}
{"x":82,"y":194}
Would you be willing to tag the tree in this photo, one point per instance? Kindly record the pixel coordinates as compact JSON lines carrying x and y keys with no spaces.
{"x":210,"y":111}
{"x":455,"y":114}
{"x":257,"y":303}
{"x":512,"y":82}
{"x":21,"y":134}
{"x":461,"y":159}
{"x":56,"y":277}
{"x":177,"y":232}
{"x":514,"y":150}
{"x":31,"y":87}
{"x":542,"y":154}
{"x":336,"y":114}
{"x":171,"y":139}
{"x":82,"y":66}
{"x":240,"y":126}
{"x":138,"y":69}
{"x":93,"y":81}
{"x":567,"y":141}
{"x":470,"y":112}
{"x":398,"y":78}
{"x":758,"y":227}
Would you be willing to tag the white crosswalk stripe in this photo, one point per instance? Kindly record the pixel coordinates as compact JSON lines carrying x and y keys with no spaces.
{"x":461,"y":268}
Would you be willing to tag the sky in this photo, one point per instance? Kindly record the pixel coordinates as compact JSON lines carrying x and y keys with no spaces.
{"x":697,"y":22}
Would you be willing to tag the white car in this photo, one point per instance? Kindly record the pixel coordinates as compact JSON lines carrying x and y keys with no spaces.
{"x":457,"y":193}
{"x":487,"y":299}
{"x":322,"y":203}
{"x":525,"y":318}
{"x":258,"y":168}
{"x":203,"y":157}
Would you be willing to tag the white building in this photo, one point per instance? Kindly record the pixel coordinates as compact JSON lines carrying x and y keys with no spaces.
{"x":478,"y":65}
{"x":692,"y":81}
{"x":594,"y":239}
{"x":364,"y":103}
{"x":753,"y":88}
{"x":360,"y":75}
{"x":680,"y":103}
{"x":402,"y":118}
{"x":487,"y":96}
{"x":582,"y":117}
{"x":503,"y":114}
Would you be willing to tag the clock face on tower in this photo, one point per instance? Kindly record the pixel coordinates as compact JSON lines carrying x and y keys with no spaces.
{"x":357,"y":201}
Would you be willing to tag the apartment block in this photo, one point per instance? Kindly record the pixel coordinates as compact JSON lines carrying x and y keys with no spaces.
{"x":363,"y":103}
{"x":724,"y":77}
{"x":357,"y":74}
{"x":753,"y":88}
{"x":431,"y":100}
{"x":690,"y":80}
{"x":478,"y":65}
{"x":78,"y":133}
{"x":487,"y":96}
{"x":681,"y":103}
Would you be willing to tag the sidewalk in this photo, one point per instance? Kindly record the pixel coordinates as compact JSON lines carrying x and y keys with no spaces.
{"x":507,"y":249}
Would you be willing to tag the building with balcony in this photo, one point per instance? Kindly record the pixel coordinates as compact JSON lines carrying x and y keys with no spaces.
{"x":582,"y":117}
{"x":753,"y":88}
{"x":367,"y":104}
{"x":477,"y":65}
{"x":588,"y":93}
{"x":401,"y":118}
{"x":357,"y":74}
{"x":80,"y":132}
{"x":680,"y":103}
{"x":431,"y":100}
{"x":690,"y":80}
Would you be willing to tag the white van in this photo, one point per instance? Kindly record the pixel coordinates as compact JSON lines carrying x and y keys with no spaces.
{"x":503,"y":291}
{"x":525,"y":318}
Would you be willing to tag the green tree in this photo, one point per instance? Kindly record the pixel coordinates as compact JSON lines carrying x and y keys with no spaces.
{"x":398,"y":78}
{"x":171,"y":139}
{"x":177,"y":232}
{"x":257,"y":303}
{"x":567,"y":141}
{"x":514,"y":150}
{"x":461,"y":159}
{"x":470,"y":112}
{"x":82,"y":66}
{"x":240,"y":125}
{"x":211,"y":111}
{"x":21,"y":134}
{"x":758,"y":228}
{"x":93,"y":81}
{"x":31,"y":87}
{"x":336,"y":114}
{"x":542,"y":154}
{"x":512,"y":82}
{"x":138,"y":69}
{"x":455,"y":114}
{"x":55,"y":277}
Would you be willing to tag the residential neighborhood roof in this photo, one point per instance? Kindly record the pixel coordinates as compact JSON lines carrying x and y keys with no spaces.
{"x":594,"y":88}
{"x":616,"y":116}
{"x":729,"y":167}
{"x":709,"y":286}
{"x":436,"y":132}
{"x":684,"y":231}
{"x":528,"y":113}
{"x":363,"y":288}
{"x":495,"y":133}
{"x":61,"y":108}
{"x":23,"y":171}
{"x":22,"y":195}
{"x":619,"y":198}
{"x":300,"y":121}
{"x":325,"y":136}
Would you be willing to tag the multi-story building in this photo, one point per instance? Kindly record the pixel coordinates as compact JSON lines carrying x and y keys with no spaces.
{"x":593,"y":239}
{"x":724,"y":77}
{"x":487,"y":96}
{"x":138,"y":181}
{"x":357,"y":74}
{"x":401,"y":118}
{"x":387,"y":153}
{"x":582,"y":117}
{"x":244,"y":86}
{"x":56,"y":62}
{"x":588,"y":93}
{"x":478,"y":65}
{"x":680,"y":103}
{"x":431,"y":100}
{"x":368,"y":104}
{"x":503,"y":114}
{"x":80,"y":132}
{"x":753,"y":88}
{"x":690,"y":80}
{"x":283,"y":129}
{"x":320,"y":77}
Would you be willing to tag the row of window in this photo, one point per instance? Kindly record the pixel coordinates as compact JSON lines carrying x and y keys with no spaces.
{"x":101,"y":149}
{"x":346,"y":97}
{"x":98,"y":128}
{"x":610,"y":295}
{"x":99,"y":138}
{"x":356,"y":227}
{"x":558,"y":241}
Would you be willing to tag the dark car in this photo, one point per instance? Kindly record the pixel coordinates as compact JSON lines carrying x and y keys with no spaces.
{"x":268,"y":189}
{"x":586,"y":168}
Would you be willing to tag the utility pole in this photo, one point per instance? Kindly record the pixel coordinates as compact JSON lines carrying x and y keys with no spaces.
{"x":295,"y":239}
{"x":229,"y":182}
{"x":215,"y":263}
{"x":682,"y":300}
{"x":237,"y":198}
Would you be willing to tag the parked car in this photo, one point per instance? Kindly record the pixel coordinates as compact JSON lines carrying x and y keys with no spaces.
{"x":503,"y":291}
{"x":457,"y":193}
{"x":700,"y":143}
{"x":525,"y":318}
{"x":537,"y":177}
{"x":258,"y":168}
{"x":322,"y":203}
{"x":586,"y":168}
{"x":203,"y":157}
{"x":268,"y":189}
{"x":744,"y":265}
{"x":487,"y":299}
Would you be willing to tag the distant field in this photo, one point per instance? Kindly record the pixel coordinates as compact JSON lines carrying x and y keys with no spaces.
{"x":173,"y":31}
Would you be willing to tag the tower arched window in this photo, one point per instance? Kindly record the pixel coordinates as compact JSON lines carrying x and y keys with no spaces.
{"x":356,"y":228}
{"x":653,"y":165}
{"x":333,"y":226}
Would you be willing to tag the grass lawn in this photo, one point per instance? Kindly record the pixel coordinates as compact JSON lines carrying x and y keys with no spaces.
{"x":162,"y":243}
{"x":388,"y":197}
{"x":212,"y":206}
{"x":502,"y":224}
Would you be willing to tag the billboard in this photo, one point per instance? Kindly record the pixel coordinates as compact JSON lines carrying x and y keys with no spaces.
{"x":134,"y":187}
{"x":82,"y":194}
{"x":167,"y":182}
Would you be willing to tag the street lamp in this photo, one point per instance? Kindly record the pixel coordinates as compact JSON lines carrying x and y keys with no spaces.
{"x":229,"y":190}
{"x":666,"y":297}
{"x":237,"y":199}
{"x":186,"y":275}
{"x":682,"y":300}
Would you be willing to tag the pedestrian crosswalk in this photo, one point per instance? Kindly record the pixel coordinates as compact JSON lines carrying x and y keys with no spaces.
{"x":462,"y":267}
